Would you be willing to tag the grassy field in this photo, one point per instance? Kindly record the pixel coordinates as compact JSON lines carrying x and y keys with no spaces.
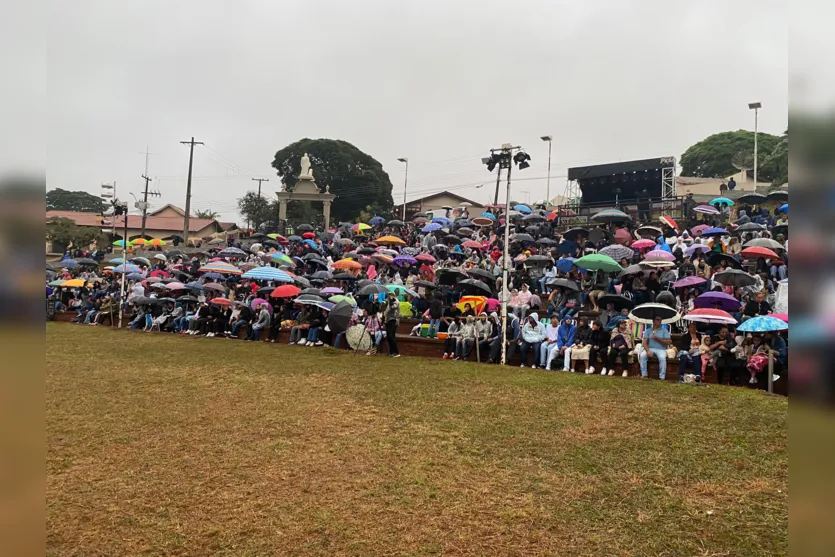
{"x":164,"y":445}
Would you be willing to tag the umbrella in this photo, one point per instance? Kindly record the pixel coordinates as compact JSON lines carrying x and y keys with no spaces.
{"x":403,"y":259}
{"x":780,"y":229}
{"x":598,"y":262}
{"x":572,"y":233}
{"x":186,"y":299}
{"x":784,"y":208}
{"x":522,"y":238}
{"x":331,"y":290}
{"x":268,"y":273}
{"x":294,"y":238}
{"x":763,"y":243}
{"x":688,"y":282}
{"x":366,"y":250}
{"x":426,"y":258}
{"x":648,"y":230}
{"x":176,"y":286}
{"x":431,"y":227}
{"x":481,"y":274}
{"x":372,"y":288}
{"x":781,"y":316}
{"x":476,"y":302}
{"x":311,"y":292}
{"x":643,"y":244}
{"x":301,"y":280}
{"x":734,"y":277}
{"x":703,"y":248}
{"x":221,"y":302}
{"x":342,"y":298}
{"x":161,"y":257}
{"x":717,"y":300}
{"x":660,"y":255}
{"x":472,"y":244}
{"x":646,"y":312}
{"x":523,"y":209}
{"x":425,"y":284}
{"x":285,"y":291}
{"x":547,"y":242}
{"x":632,"y":270}
{"x":135,"y":276}
{"x":533,"y":217}
{"x":214,"y":286}
{"x":708,"y":315}
{"x":658,"y":263}
{"x":564,"y":283}
{"x":399,"y":290}
{"x":322,"y":275}
{"x":86,"y":261}
{"x":452,"y":239}
{"x":396,"y":222}
{"x":715,"y":258}
{"x":697,"y":230}
{"x":779,"y":195}
{"x":340,"y":316}
{"x":715,"y":232}
{"x":756,"y":251}
{"x":67,"y":264}
{"x":619,"y":302}
{"x":344,"y":276}
{"x":358,"y":338}
{"x":750,"y":227}
{"x":375,"y":220}
{"x":196,"y":286}
{"x":121,"y":243}
{"x":483,"y":221}
{"x":565,"y":264}
{"x":127,"y":268}
{"x":539,"y":261}
{"x":669,"y":221}
{"x":753,"y":197}
{"x":390,"y":240}
{"x":159,"y":273}
{"x":706,"y":209}
{"x":721,"y":200}
{"x":231,"y":252}
{"x":347,"y":264}
{"x":618,"y":252}
{"x":281,"y":259}
{"x":763,"y":324}
{"x":383,"y":258}
{"x":308,"y":299}
{"x":611,"y":215}
{"x":306,"y":228}
{"x":220,"y":267}
{"x":476,"y":284}
{"x":623,"y":236}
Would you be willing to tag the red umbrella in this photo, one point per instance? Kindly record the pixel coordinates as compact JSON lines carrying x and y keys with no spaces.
{"x":472,"y":244}
{"x":159,"y":273}
{"x":754,"y":252}
{"x":425,"y":257}
{"x":285,"y":291}
{"x":308,"y":235}
{"x":669,"y":222}
{"x":709,"y":315}
{"x":225,"y":302}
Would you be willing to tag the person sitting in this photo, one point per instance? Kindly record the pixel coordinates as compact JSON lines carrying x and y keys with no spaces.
{"x":722,"y":358}
{"x":466,"y":339}
{"x":579,"y":350}
{"x":565,"y":338}
{"x":451,"y":341}
{"x":550,"y":340}
{"x":533,"y":333}
{"x":655,"y":341}
{"x":511,"y":338}
{"x":263,"y":322}
{"x":597,"y":346}
{"x":620,"y":345}
{"x":301,"y":327}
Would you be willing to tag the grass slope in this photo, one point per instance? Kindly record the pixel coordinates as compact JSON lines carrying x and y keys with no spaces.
{"x":164,"y":445}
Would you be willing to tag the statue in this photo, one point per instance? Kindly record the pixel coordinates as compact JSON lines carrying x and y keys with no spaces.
{"x":327,"y":189}
{"x":306,"y":173}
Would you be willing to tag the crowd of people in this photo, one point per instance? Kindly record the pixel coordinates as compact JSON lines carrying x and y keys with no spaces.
{"x":571,"y":292}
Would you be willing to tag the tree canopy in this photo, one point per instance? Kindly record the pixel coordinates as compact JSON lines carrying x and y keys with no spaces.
{"x":65,"y":231}
{"x":65,"y":200}
{"x":206,"y":214}
{"x":356,"y":178}
{"x":711,"y":157}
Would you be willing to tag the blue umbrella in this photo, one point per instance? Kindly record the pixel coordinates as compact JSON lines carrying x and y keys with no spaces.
{"x":565,"y":264}
{"x":567,"y":246}
{"x":116,"y":261}
{"x":713,"y":231}
{"x":294,"y":238}
{"x":442,"y":220}
{"x":464,"y":223}
{"x":135,"y":276}
{"x":523,"y":209}
{"x":489,"y":215}
{"x":724,"y":200}
{"x":431,"y":227}
{"x":213,"y":276}
{"x":311,"y":243}
{"x":268,"y":273}
{"x":127,"y":268}
{"x":67,"y":264}
{"x":763,"y":324}
{"x":376,"y":220}
{"x":194,"y":285}
{"x":784,"y":208}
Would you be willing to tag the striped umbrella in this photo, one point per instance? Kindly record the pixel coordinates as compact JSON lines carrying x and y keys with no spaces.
{"x":706,"y":210}
{"x":128,"y":268}
{"x":268,"y":273}
{"x":220,"y":267}
{"x":617,"y":252}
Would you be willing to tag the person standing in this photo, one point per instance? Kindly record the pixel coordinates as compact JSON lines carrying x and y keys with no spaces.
{"x":392,"y":319}
{"x":655,"y":339}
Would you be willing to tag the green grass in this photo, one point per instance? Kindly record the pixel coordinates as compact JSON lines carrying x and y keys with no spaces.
{"x":180,"y":446}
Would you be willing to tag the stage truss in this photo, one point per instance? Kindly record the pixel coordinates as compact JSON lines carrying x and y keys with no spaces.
{"x":668,"y":186}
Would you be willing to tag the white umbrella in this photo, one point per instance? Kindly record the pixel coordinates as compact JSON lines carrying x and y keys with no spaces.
{"x":358,"y":338}
{"x":161,"y":257}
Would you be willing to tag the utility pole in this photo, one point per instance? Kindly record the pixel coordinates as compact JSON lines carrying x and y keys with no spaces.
{"x":144,"y":207}
{"x":191,"y":143}
{"x":405,"y":183}
{"x":259,"y":180}
{"x":498,"y":181}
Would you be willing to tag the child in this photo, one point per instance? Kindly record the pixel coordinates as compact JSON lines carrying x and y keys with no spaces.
{"x":704,"y":352}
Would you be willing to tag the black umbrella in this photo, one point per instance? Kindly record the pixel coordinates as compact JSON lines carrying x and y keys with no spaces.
{"x":714,"y":258}
{"x":734,"y":277}
{"x":646,"y":312}
{"x":265,"y":291}
{"x":351,"y":255}
{"x":632,"y":270}
{"x":452,"y":239}
{"x":750,"y":227}
{"x":304,"y":228}
{"x":481,"y":274}
{"x":522,"y":238}
{"x":781,"y":229}
{"x":366,"y":250}
{"x":311,"y":291}
{"x":86,"y":261}
{"x":309,"y":299}
{"x":572,"y":232}
{"x":396,"y":222}
{"x":753,"y":197}
{"x":420,"y":215}
{"x":567,"y":247}
{"x":257,"y":236}
{"x":322,"y":275}
{"x":426,"y":284}
{"x":779,"y":195}
{"x":186,"y":298}
{"x":344,"y":276}
{"x":373,"y":288}
{"x":619,"y":302}
{"x":596,"y":235}
{"x":533,"y":217}
{"x":317,"y":261}
{"x":339,"y":317}
{"x":565,"y":283}
{"x":471,"y":284}
{"x":539,"y":261}
{"x":547,"y":242}
{"x":326,"y":236}
{"x":50,"y":267}
{"x":301,"y":281}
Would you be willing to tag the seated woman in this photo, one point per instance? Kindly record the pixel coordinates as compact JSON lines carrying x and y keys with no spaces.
{"x":620,"y":345}
{"x":451,"y":341}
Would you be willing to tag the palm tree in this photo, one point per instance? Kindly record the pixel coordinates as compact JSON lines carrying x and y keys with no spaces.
{"x":206,"y":214}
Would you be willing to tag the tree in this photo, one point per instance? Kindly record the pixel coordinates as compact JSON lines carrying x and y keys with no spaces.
{"x":776,"y":164}
{"x":711,"y":157}
{"x":64,"y":231}
{"x":356,"y":178}
{"x":255,"y":209}
{"x":64,"y":200}
{"x":206,"y":214}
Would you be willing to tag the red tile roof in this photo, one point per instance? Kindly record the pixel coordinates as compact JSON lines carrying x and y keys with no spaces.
{"x":173,"y":224}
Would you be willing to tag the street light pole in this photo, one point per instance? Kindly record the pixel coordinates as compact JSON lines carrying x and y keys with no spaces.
{"x":548,"y":138}
{"x":405,"y":184}
{"x":756,"y":108}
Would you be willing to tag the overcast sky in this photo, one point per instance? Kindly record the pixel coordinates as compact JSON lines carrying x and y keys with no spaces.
{"x":437,"y":82}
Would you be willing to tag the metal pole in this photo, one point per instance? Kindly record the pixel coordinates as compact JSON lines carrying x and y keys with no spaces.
{"x":756,"y":113}
{"x":505,"y":261}
{"x":498,"y":181}
{"x":124,"y":268}
{"x":548,"y":186}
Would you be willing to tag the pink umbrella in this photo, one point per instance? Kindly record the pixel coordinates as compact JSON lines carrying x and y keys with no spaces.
{"x":175,"y":286}
{"x":688,"y":281}
{"x":159,"y":273}
{"x":698,"y":229}
{"x":152,"y":280}
{"x":660,"y":254}
{"x":257,"y":302}
{"x":643,"y":244}
{"x":708,"y":315}
{"x":781,"y":316}
{"x":623,"y":237}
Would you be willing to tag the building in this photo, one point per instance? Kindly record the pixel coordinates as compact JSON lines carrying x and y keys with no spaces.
{"x":711,"y":186}
{"x":164,"y":224}
{"x":434,"y":202}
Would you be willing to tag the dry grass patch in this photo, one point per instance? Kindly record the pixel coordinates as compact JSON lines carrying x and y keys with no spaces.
{"x":185,"y":446}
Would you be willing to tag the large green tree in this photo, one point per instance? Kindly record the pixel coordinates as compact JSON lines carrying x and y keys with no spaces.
{"x":775,"y":164}
{"x":255,"y":209}
{"x":712,"y":156}
{"x":65,"y":200}
{"x":356,"y":178}
{"x":65,"y":231}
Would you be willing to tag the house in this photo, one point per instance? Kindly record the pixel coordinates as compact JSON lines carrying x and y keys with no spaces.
{"x":434,"y":202}
{"x":164,"y":224}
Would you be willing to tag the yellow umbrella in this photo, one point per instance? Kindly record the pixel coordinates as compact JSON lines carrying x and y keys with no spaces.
{"x":390,"y":240}
{"x":74,"y":283}
{"x":156,"y":242}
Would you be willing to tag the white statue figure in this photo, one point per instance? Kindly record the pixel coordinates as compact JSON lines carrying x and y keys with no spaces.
{"x":306,"y":172}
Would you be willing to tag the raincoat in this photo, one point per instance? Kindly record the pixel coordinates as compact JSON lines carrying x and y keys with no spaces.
{"x":533,"y":333}
{"x":565,"y":333}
